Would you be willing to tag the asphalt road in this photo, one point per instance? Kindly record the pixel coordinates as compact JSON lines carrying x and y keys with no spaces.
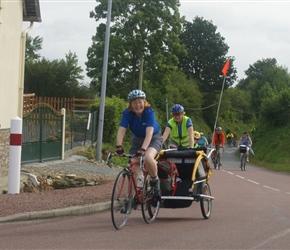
{"x":250,"y":211}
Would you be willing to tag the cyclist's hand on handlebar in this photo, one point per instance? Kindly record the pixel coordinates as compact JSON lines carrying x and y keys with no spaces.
{"x":140,"y":152}
{"x":119,"y":150}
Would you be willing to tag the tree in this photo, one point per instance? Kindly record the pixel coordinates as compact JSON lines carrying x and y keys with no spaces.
{"x":266,"y":70}
{"x":264,"y":79}
{"x":206,"y":56}
{"x":33,"y":45}
{"x":56,"y":78}
{"x":137,"y":38}
{"x":275,"y":110}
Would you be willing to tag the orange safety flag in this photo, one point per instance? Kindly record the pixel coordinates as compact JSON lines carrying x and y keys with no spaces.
{"x":226,"y":67}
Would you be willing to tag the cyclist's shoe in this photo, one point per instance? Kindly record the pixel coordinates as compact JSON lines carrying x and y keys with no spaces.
{"x":248,"y":160}
{"x":155,"y":185}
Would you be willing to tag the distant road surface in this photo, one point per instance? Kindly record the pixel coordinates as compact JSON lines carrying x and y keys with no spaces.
{"x":251,"y":210}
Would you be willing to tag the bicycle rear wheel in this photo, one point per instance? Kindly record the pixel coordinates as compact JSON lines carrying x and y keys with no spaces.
{"x":121,"y":201}
{"x":206,"y":203}
{"x":150,"y":204}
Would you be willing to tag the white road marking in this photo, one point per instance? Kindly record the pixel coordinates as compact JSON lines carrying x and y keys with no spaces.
{"x":273,"y":238}
{"x":253,"y":182}
{"x":271,"y":188}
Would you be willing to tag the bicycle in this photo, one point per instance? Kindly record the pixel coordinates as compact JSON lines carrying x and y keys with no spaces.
{"x":216,"y":156}
{"x":123,"y":199}
{"x":243,"y":157}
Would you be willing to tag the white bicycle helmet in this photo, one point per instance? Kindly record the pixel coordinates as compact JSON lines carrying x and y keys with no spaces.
{"x":218,"y":129}
{"x":136,"y":94}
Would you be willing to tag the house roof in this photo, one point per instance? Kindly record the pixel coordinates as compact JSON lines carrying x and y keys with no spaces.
{"x":31,"y":11}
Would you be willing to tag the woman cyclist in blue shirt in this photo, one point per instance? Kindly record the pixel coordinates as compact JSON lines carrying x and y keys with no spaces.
{"x":146,"y":135}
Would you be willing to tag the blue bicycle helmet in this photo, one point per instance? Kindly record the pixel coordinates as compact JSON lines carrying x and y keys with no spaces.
{"x":177,"y":109}
{"x":136,"y":94}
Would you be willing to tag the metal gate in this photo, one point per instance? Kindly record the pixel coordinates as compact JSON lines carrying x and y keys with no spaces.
{"x":41,"y":135}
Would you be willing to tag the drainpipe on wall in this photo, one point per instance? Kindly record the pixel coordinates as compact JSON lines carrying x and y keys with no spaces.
{"x":21,"y":70}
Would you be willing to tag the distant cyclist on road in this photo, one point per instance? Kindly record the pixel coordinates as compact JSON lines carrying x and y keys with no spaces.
{"x":179,"y":128}
{"x":246,"y":140}
{"x":230,"y":137}
{"x":219,"y":138}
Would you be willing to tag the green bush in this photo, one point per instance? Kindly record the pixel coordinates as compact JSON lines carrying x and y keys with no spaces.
{"x":112,"y":117}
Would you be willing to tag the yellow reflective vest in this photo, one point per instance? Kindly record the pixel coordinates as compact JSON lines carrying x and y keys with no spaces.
{"x":183,"y":139}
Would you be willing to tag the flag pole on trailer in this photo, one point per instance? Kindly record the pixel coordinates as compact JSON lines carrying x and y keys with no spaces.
{"x":224,"y":71}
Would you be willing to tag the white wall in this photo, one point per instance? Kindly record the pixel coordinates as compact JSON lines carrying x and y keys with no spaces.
{"x":11,"y":17}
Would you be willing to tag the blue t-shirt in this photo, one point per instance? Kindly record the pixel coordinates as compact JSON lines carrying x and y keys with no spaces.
{"x":138,"y":125}
{"x":245,"y":142}
{"x":202,"y":141}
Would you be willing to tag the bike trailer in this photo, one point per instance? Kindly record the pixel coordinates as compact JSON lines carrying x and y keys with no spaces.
{"x":193,"y":170}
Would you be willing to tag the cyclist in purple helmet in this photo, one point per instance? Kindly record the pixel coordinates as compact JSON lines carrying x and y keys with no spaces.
{"x":180,"y":129}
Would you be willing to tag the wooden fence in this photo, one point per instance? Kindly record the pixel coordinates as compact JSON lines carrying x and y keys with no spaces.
{"x":57,"y":103}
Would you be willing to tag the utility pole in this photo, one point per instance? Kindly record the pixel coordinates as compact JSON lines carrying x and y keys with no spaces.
{"x":141,"y":73}
{"x":166,"y":110}
{"x":104,"y":85}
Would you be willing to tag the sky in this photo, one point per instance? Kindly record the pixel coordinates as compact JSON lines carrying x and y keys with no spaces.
{"x":254,"y":30}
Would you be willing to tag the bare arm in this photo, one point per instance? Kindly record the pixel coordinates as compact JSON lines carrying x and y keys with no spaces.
{"x":120,"y":135}
{"x":191,"y":139}
{"x":166,"y":134}
{"x":148,"y":137}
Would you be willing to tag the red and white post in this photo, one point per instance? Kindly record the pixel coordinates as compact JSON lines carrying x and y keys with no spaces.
{"x":15,"y":156}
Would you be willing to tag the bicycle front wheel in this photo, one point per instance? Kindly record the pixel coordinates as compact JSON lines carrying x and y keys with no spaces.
{"x":243,"y":162}
{"x":150,"y":204}
{"x":218,"y":159}
{"x":206,"y":203}
{"x":121,"y":201}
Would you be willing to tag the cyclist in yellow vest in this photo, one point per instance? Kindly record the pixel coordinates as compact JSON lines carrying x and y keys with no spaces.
{"x":180,"y":129}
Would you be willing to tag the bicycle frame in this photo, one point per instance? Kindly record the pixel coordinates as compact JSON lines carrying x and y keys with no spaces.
{"x":124,"y":199}
{"x":130,"y":169}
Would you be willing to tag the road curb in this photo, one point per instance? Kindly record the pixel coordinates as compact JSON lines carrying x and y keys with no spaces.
{"x":69,"y":211}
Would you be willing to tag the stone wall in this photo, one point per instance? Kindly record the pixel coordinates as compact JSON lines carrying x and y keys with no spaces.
{"x":4,"y":151}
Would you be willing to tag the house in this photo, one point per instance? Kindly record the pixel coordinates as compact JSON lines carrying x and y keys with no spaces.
{"x":12,"y":59}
